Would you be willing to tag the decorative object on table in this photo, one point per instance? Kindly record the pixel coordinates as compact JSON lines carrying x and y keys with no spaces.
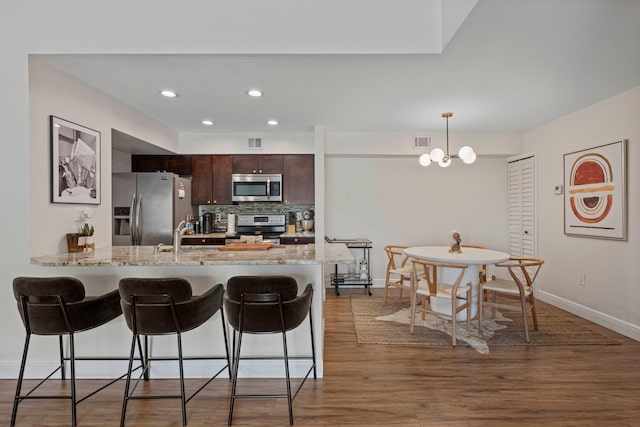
{"x":73,"y":242}
{"x":455,"y":241}
{"x":595,"y":197}
{"x":75,"y":163}
{"x":88,"y":242}
{"x":466,"y":153}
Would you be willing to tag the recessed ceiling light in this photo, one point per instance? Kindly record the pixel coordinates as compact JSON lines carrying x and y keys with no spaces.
{"x":207,"y":122}
{"x":254,"y":93}
{"x":272,"y":122}
{"x":168,"y":93}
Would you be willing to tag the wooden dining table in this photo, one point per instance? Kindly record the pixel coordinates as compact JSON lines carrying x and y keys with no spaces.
{"x":473,"y":258}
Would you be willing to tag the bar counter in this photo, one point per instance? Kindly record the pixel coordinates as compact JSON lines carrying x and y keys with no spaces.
{"x":117,"y":256}
{"x":202,"y":266}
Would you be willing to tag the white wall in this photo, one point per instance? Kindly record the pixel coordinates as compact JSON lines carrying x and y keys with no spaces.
{"x":52,"y":92}
{"x":397,"y":201}
{"x":611,"y":295}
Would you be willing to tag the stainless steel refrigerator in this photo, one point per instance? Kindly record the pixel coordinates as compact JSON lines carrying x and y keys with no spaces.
{"x":147,"y":206}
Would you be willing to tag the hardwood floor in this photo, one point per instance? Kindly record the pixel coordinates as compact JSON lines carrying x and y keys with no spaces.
{"x":378,"y":385}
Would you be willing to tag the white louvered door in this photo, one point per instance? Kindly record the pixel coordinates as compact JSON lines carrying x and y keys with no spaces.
{"x":522,"y":206}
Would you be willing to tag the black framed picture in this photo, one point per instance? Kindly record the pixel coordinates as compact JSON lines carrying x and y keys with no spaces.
{"x":75,"y":163}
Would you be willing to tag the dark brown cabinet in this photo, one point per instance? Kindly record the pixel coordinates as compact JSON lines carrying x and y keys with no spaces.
{"x":211,"y":180}
{"x":297,"y":240}
{"x":298,"y":179}
{"x":177,"y":164}
{"x":218,"y":241}
{"x":250,"y":163}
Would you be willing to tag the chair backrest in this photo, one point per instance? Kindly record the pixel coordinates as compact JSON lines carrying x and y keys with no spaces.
{"x":394,"y":253}
{"x":262,"y":304}
{"x":523,"y":270}
{"x":43,"y":301}
{"x":430,"y":270}
{"x":156,"y":306}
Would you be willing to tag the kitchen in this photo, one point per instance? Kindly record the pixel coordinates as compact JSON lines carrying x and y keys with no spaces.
{"x":219,"y":198}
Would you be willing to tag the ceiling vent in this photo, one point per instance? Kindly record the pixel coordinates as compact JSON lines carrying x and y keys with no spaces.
{"x":255,"y":143}
{"x":421,"y":142}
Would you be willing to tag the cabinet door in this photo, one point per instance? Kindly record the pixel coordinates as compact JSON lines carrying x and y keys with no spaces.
{"x":144,"y":163}
{"x":180,"y":165}
{"x":221,"y":180}
{"x":298,"y":179}
{"x":177,"y":164}
{"x":257,"y":163}
{"x":270,"y":164}
{"x":202,"y":180}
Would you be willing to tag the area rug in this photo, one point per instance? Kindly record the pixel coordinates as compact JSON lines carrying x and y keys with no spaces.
{"x":377,"y":323}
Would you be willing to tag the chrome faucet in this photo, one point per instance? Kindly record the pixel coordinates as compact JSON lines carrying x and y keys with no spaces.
{"x":177,"y":238}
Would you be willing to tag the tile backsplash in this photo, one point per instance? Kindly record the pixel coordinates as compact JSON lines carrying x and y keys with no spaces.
{"x":253,"y":208}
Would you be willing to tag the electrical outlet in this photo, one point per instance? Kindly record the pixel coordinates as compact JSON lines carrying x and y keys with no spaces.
{"x":583,"y":280}
{"x":218,"y":217}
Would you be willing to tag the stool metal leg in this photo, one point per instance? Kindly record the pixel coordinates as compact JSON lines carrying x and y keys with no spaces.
{"x":20,"y":378}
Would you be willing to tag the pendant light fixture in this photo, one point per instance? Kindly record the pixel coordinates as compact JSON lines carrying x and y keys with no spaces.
{"x":466,"y":153}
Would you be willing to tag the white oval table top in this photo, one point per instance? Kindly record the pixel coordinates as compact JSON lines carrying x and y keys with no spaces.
{"x":470,"y":256}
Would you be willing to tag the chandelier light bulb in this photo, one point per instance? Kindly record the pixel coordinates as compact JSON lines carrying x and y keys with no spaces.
{"x":470,"y":158}
{"x":465,"y":152}
{"x":437,"y":154}
{"x":445,"y":161}
{"x":424,"y":159}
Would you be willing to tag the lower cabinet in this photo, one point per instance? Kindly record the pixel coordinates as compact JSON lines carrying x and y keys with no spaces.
{"x":297,"y":240}
{"x":218,"y":241}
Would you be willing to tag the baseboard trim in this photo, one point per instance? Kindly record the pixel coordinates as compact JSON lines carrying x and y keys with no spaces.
{"x":620,"y":326}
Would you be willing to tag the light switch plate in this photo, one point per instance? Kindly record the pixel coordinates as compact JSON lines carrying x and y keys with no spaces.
{"x":558,"y":189}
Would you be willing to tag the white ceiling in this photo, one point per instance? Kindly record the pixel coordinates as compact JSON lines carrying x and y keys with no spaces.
{"x":510,"y":66}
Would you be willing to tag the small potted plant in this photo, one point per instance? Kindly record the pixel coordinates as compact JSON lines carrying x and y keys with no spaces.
{"x":87,"y":231}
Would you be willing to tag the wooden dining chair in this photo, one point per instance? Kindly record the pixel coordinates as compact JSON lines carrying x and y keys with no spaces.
{"x":431,"y":290}
{"x":398,"y":271}
{"x":523,"y":272}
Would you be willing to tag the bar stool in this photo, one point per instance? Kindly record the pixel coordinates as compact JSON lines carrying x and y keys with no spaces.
{"x":166,"y":306}
{"x":58,"y":306}
{"x":264,"y":305}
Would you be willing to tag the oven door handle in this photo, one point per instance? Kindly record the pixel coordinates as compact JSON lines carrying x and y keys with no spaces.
{"x":268,"y":188}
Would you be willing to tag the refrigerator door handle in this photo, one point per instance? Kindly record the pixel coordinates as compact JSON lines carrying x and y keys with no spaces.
{"x":138,"y":227}
{"x":132,"y":220}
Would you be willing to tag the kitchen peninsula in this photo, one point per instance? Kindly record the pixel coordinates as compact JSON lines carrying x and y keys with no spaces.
{"x":204,"y":266}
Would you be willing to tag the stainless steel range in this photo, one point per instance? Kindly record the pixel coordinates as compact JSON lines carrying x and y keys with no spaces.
{"x":269,"y":226}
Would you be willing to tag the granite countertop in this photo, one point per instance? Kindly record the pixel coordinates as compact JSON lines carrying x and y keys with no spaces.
{"x":319,"y":253}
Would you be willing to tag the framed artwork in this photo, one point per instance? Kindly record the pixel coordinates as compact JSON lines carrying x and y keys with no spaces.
{"x":75,"y":163}
{"x":595,"y":198}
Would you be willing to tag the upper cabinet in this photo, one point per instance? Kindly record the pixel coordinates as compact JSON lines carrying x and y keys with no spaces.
{"x":298,"y":179}
{"x":255,"y":163}
{"x":177,"y":164}
{"x":211,"y":180}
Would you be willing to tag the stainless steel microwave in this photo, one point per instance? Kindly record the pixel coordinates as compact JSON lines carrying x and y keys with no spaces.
{"x":248,"y":187}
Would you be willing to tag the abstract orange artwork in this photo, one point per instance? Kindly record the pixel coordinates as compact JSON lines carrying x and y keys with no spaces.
{"x":595,"y":197}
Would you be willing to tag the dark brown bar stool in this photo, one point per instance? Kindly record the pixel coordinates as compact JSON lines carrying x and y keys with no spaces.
{"x":267,"y":305}
{"x":58,"y":306}
{"x":166,"y":306}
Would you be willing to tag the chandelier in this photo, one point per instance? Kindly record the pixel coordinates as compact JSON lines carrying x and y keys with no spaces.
{"x":466,"y":153}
